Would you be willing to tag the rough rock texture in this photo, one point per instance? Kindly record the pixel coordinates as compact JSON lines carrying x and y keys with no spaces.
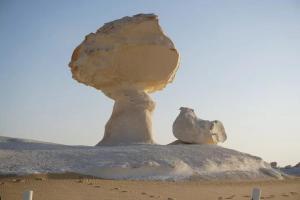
{"x":274,"y":164}
{"x":131,"y":52}
{"x":126,"y":59}
{"x":130,"y":121}
{"x":294,"y":171}
{"x":178,"y":142}
{"x":190,"y":129}
{"x":141,"y":162}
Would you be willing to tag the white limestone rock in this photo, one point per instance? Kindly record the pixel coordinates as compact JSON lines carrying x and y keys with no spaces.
{"x":188,"y":128}
{"x":140,"y":162}
{"x":178,"y":142}
{"x":127,"y":59}
{"x":131,"y":120}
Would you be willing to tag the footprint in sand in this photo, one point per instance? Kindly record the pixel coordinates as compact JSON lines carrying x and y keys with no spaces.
{"x":40,"y":179}
{"x":18,"y":180}
{"x":220,"y":198}
{"x":230,"y":197}
{"x":97,"y":186}
{"x":116,"y":188}
{"x":293,"y":193}
{"x":284,"y":195}
{"x":124,"y":191}
{"x":270,"y":197}
{"x":143,"y":193}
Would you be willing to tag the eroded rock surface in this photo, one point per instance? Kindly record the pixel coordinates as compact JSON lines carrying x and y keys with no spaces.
{"x":131,"y":120}
{"x":274,"y":164}
{"x":188,"y":128}
{"x":127,"y":59}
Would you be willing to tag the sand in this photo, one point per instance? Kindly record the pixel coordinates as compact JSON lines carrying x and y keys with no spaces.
{"x":76,"y":187}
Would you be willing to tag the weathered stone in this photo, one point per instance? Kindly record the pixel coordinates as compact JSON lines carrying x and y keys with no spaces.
{"x":127,"y":59}
{"x":190,"y":129}
{"x":288,"y":167}
{"x":273,"y":164}
{"x":178,"y":142}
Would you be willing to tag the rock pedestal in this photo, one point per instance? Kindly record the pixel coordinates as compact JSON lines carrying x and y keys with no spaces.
{"x":131,"y":120}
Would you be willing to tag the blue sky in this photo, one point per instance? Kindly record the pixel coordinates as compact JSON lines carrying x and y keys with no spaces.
{"x":240,"y":63}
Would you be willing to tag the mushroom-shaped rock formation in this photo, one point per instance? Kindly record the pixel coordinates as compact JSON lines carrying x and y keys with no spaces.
{"x":127,"y":59}
{"x":190,"y":129}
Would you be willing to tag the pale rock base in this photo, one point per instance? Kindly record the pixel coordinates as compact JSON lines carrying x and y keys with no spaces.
{"x":131,"y":119}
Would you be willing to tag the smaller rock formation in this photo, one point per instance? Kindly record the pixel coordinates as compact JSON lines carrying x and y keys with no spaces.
{"x":288,"y":167}
{"x":274,"y":164}
{"x":291,"y":170}
{"x":188,"y":128}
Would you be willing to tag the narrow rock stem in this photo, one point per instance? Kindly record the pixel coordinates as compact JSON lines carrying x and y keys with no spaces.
{"x":131,"y":119}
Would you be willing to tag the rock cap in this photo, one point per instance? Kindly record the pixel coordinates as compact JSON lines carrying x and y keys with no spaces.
{"x":131,"y":52}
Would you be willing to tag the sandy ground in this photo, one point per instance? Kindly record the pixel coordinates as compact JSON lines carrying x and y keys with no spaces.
{"x":76,"y":187}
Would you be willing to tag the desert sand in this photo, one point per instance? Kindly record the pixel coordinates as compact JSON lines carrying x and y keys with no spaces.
{"x":76,"y":187}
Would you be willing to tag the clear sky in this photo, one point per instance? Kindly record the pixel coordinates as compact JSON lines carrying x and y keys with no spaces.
{"x":240,"y":64}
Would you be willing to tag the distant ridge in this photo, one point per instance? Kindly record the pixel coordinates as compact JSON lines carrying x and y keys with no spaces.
{"x":26,"y":144}
{"x":21,"y":140}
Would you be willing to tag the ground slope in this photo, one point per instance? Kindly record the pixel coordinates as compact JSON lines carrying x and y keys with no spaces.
{"x":143,"y":162}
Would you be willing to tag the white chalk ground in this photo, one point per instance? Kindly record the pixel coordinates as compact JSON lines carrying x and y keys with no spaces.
{"x":143,"y":162}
